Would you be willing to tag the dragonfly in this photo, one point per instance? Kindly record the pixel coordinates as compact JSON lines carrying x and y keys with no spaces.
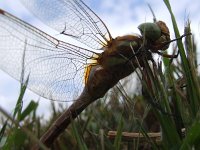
{"x":56,"y":69}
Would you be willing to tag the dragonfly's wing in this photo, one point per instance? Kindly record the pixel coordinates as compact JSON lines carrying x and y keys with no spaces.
{"x":55,"y":68}
{"x":73,"y":18}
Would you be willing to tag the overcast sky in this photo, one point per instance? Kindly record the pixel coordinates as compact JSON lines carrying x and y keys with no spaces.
{"x":120,"y":16}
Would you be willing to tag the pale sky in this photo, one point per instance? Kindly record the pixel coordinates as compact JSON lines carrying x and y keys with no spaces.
{"x":120,"y":16}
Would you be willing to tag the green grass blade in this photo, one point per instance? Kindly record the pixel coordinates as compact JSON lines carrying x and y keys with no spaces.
{"x":117,"y":141}
{"x":2,"y":132}
{"x":192,"y":91}
{"x":81,"y":143}
{"x":32,"y":106}
{"x":18,"y":106}
{"x":192,"y":137}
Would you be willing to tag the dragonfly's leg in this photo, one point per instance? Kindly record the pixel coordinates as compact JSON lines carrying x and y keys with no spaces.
{"x":160,"y":46}
{"x":180,"y":38}
{"x":167,"y":55}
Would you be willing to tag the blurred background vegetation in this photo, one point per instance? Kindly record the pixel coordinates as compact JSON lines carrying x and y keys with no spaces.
{"x":166,"y":103}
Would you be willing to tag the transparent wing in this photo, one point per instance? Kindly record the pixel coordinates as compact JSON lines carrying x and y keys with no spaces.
{"x":55,"y":68}
{"x":72,"y":18}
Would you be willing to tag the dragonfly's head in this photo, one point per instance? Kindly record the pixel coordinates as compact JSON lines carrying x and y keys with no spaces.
{"x":157,"y":33}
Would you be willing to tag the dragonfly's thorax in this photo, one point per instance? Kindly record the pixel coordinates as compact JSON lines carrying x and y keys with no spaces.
{"x":119,"y":51}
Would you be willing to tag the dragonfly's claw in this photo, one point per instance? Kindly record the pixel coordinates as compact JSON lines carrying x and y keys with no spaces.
{"x":167,"y":55}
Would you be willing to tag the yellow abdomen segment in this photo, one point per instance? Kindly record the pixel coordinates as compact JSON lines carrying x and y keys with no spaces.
{"x":87,"y":73}
{"x":90,"y":63}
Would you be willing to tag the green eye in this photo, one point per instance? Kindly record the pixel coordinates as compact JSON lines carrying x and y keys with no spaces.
{"x":151,"y":31}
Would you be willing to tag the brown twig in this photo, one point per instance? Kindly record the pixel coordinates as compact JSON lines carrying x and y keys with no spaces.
{"x":130,"y":136}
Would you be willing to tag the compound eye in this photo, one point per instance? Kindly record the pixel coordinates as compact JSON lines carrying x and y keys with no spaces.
{"x":150,"y":31}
